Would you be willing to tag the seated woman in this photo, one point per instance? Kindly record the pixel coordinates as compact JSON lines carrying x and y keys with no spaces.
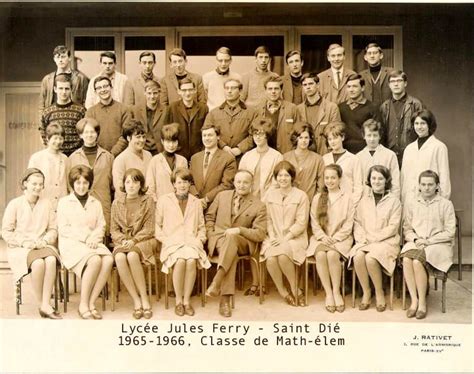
{"x":158,"y":176}
{"x":425,"y":153}
{"x":287,"y":224}
{"x":429,"y":226}
{"x":29,"y":229}
{"x":181,"y":231}
{"x":332,"y":218}
{"x":133,"y":235}
{"x":376,"y":233}
{"x":81,"y":228}
{"x":308,"y":164}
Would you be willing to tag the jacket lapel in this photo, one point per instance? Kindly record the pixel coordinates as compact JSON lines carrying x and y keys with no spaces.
{"x":157,"y":116}
{"x":244,"y":205}
{"x":212,"y":165}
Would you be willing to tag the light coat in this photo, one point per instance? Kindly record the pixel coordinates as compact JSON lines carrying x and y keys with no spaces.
{"x":169,"y":88}
{"x":124,"y":161}
{"x":328,"y":88}
{"x":21,"y":223}
{"x":176,"y":230}
{"x":434,"y":221}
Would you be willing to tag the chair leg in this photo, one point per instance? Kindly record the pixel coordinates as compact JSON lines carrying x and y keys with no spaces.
{"x":436,"y":284}
{"x":306,"y":270}
{"x":75,"y":284}
{"x":204,"y":286}
{"x":113,"y":284}
{"x":443,"y":297}
{"x":56,"y":288}
{"x":157,"y":283}
{"x":203,"y":289}
{"x":459,"y":235}
{"x":343,"y":282}
{"x":166,"y":292}
{"x":391,"y":291}
{"x":18,"y":296}
{"x":404,"y":307}
{"x":65,"y":273}
{"x":353,"y":288}
{"x":315,"y":279}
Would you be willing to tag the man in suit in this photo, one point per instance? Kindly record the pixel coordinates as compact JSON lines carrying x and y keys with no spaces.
{"x":235,"y":222}
{"x":153,"y":115}
{"x":333,"y":80}
{"x":135,"y":89}
{"x":281,"y":113}
{"x":190,"y":115}
{"x":377,"y":88}
{"x":170,"y":82}
{"x":292,"y":89}
{"x":317,"y":111}
{"x":213,"y":169}
{"x":233,"y":118}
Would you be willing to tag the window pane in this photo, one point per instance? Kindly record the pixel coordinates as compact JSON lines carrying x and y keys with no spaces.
{"x":314,"y":49}
{"x":87,"y":50}
{"x":201,"y":51}
{"x":134,"y":45}
{"x":359,"y":42}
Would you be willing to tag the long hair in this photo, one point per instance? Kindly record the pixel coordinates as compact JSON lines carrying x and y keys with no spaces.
{"x":322,"y":208}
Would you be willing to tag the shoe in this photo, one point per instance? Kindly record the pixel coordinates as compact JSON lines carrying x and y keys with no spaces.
{"x":96,"y":314}
{"x":331,"y":308}
{"x":86,"y":315}
{"x":147,"y":313}
{"x":257,"y":292}
{"x":53,"y":315}
{"x":225,"y":310}
{"x":421,"y":314}
{"x":364,"y":306}
{"x":340,"y":308}
{"x":381,"y":308}
{"x":212,"y":290}
{"x":188,"y":310}
{"x":137,"y":313}
{"x":301,"y":301}
{"x":411,"y":313}
{"x":290,"y":300}
{"x":179,"y":310}
{"x":252,"y":290}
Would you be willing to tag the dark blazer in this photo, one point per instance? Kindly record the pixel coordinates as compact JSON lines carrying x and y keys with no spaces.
{"x":252,"y":219}
{"x":159,"y":120}
{"x":169,"y":88}
{"x":219,"y":176}
{"x":189,"y":140}
{"x":328,"y":89}
{"x":385,"y":91}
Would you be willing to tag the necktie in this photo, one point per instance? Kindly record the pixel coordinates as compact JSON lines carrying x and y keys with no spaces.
{"x":206,"y":162}
{"x":236,"y":205}
{"x":338,"y":83}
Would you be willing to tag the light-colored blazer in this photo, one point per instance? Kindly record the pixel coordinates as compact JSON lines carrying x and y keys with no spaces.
{"x":328,"y":88}
{"x":169,"y":88}
{"x":135,"y":91}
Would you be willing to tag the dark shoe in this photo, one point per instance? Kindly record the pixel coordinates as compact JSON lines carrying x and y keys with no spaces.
{"x":331,"y":308}
{"x":52,"y":315}
{"x":340,"y":308}
{"x":364,"y":306}
{"x":188,"y":310}
{"x":264,"y":290}
{"x":381,"y":308}
{"x":290,"y":300}
{"x":225,"y":310}
{"x":86,"y":315}
{"x":96,"y":314}
{"x":251,"y":291}
{"x":137,"y":313}
{"x":147,"y":313}
{"x":421,"y":314}
{"x":411,"y":313}
{"x":179,"y":310}
{"x":212,"y":290}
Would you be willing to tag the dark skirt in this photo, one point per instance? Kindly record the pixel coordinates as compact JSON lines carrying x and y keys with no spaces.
{"x":420,"y":255}
{"x":40,"y":253}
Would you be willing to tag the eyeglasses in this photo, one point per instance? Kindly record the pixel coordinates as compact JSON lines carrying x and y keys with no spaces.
{"x":98,"y":88}
{"x":399,"y":80}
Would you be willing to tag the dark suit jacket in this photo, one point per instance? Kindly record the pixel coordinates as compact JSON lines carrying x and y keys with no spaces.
{"x":385,"y":91}
{"x":169,"y":88}
{"x":328,"y":89}
{"x":159,"y":120}
{"x":219,"y":176}
{"x":189,"y":140}
{"x":252,"y":219}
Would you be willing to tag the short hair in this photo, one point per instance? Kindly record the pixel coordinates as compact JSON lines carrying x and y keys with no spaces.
{"x":81,"y":125}
{"x":337,"y":168}
{"x":263,"y":124}
{"x":262,"y":49}
{"x":396,"y":74}
{"x":60,"y":49}
{"x":373,"y":45}
{"x":132,"y":127}
{"x":170,"y":132}
{"x":136,"y":176}
{"x":335,"y":129}
{"x":225,"y":51}
{"x":358,"y":77}
{"x":244,"y":171}
{"x":271,"y":79}
{"x":27,"y":174}
{"x":287,"y":166}
{"x":211,"y":125}
{"x":372,"y":125}
{"x":311,"y":75}
{"x":186,"y":81}
{"x":429,"y":174}
{"x":427,"y":116}
{"x":63,"y":78}
{"x":183,"y":173}
{"x":293,"y":53}
{"x":54,"y":129}
{"x":108,"y":54}
{"x":147,"y":54}
{"x":102,"y":78}
{"x":298,"y":129}
{"x":177,"y":52}
{"x":234,"y":80}
{"x":334,"y":46}
{"x":386,"y":174}
{"x":79,"y":171}
{"x":152,"y":84}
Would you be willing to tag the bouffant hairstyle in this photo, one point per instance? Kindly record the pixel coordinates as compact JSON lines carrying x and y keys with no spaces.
{"x":182,"y":173}
{"x":132,"y":127}
{"x":287,"y":166}
{"x":335,"y":129}
{"x":386,"y":174}
{"x":79,"y":171}
{"x":80,"y":126}
{"x":54,"y":129}
{"x":298,"y":129}
{"x":263,"y":124}
{"x":170,"y":132}
{"x":427,"y":116}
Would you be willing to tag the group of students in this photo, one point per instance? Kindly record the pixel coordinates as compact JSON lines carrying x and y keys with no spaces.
{"x":255,"y":181}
